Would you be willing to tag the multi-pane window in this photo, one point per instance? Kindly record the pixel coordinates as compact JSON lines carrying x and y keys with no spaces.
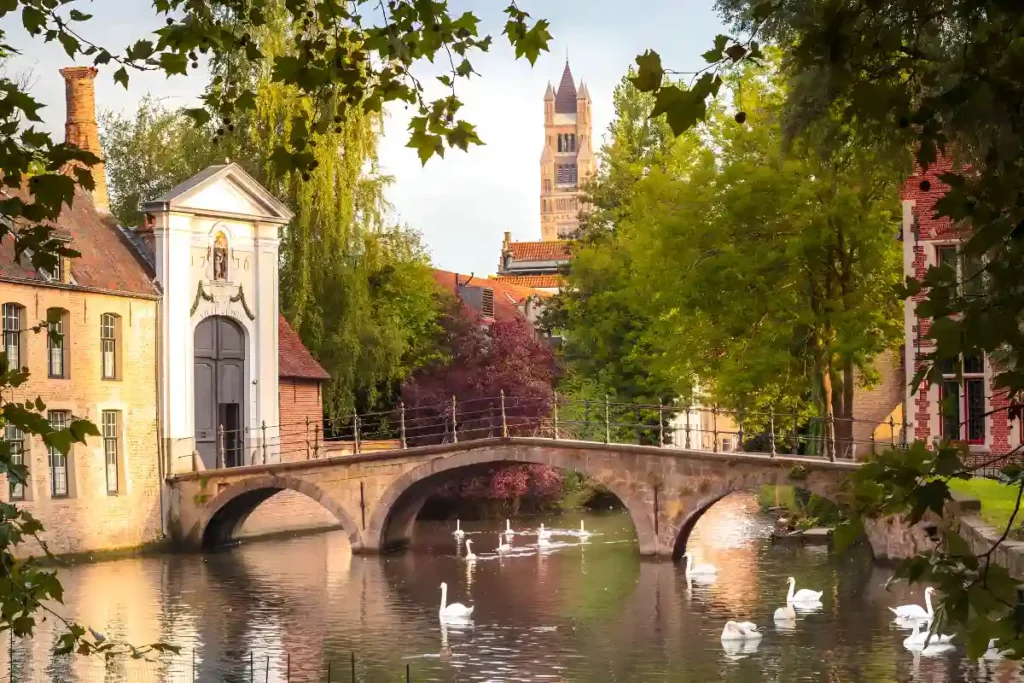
{"x":15,"y":439}
{"x":55,"y":343}
{"x":12,"y":334}
{"x":565,"y":174}
{"x":963,"y":400}
{"x":58,"y":460}
{"x":111,"y":435}
{"x":108,"y":345}
{"x":968,"y":269}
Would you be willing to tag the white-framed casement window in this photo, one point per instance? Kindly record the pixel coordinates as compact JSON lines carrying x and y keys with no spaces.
{"x":962,"y":400}
{"x":111,"y":450}
{"x":15,"y":439}
{"x":969,"y":269}
{"x":57,"y":343}
{"x":13,"y":315}
{"x":59,"y":475}
{"x":110,"y":328}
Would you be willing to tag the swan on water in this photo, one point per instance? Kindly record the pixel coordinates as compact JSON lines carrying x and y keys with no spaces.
{"x":470,"y":555}
{"x":508,"y":528}
{"x":456,"y":610}
{"x":703,"y":569}
{"x":740,"y":630}
{"x":908,"y":612}
{"x":786,"y":613}
{"x":802,"y":596}
{"x":543,"y":541}
{"x":918,"y":639}
{"x":503,"y":547}
{"x":583,"y":532}
{"x":543,"y":533}
{"x":993,"y":653}
{"x":458,"y":533}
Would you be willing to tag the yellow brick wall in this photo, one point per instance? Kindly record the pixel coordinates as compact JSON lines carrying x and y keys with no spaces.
{"x":89,"y":518}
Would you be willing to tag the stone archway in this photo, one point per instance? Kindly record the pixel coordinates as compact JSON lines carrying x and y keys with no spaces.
{"x":679,"y":528}
{"x":227,"y":512}
{"x":396,"y":510}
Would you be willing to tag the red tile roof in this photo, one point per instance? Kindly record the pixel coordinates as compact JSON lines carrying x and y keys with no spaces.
{"x":108,"y":261}
{"x":556,"y":250}
{"x":506,"y":296}
{"x":293,"y":358}
{"x":533,"y":281}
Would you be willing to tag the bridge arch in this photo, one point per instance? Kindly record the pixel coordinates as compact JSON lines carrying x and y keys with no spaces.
{"x":682,"y":524}
{"x":390,"y":525}
{"x":227,"y":512}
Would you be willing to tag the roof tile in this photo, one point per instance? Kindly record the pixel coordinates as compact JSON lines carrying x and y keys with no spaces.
{"x":555,"y":250}
{"x":532,"y":281}
{"x":506,"y":296}
{"x":293,"y":358}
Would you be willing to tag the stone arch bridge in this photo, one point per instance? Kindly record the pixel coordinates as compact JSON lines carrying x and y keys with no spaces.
{"x":377,"y":496}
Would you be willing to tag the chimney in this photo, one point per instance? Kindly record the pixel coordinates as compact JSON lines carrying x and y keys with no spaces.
{"x":80,"y":127}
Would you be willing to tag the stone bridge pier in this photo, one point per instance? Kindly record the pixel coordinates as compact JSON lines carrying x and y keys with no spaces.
{"x":376,"y":497}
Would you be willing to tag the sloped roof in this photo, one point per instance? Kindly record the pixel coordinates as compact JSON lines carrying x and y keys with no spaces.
{"x":107,"y":263}
{"x":506,"y":295}
{"x":531,"y":281}
{"x":565,"y":99}
{"x":554,"y":250}
{"x":293,"y":358}
{"x":179,"y":195}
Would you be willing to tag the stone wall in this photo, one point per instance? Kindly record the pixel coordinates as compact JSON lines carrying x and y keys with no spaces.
{"x":90,"y":518}
{"x":872,"y":407}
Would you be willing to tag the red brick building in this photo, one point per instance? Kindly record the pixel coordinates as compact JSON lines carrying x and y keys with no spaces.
{"x":976,"y":411}
{"x":299,"y":390}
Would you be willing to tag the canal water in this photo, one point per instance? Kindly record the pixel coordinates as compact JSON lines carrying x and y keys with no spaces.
{"x":576,"y":611}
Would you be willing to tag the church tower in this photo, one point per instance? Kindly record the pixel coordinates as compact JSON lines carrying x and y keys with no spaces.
{"x":567,"y":161}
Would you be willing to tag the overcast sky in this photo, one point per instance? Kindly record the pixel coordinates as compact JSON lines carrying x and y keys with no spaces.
{"x":464,"y":203}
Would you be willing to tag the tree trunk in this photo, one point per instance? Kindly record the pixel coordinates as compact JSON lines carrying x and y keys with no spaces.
{"x":825,"y":372}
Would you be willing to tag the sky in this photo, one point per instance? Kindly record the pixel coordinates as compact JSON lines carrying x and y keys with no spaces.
{"x":462,"y":204}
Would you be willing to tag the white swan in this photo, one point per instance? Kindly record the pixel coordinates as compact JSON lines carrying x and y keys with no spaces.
{"x":583,"y":532}
{"x":458,"y":533}
{"x":698,"y":569}
{"x":543,"y":533}
{"x":918,"y":639}
{"x":502,"y":546}
{"x":785,"y":614}
{"x":993,"y":653}
{"x":470,"y":555}
{"x":456,"y":610}
{"x":740,"y":630}
{"x":802,"y":596}
{"x":543,"y":541}
{"x":908,"y":612}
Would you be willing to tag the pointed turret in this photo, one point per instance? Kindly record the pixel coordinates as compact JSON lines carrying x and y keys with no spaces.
{"x":583,"y":94}
{"x":565,"y":100}
{"x":549,"y":94}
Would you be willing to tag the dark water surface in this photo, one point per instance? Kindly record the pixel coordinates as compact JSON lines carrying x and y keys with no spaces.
{"x":575,"y":612}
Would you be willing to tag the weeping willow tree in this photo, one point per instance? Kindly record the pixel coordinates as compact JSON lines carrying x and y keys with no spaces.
{"x":357,"y":289}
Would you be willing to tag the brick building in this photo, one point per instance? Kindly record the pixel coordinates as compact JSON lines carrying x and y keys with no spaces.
{"x":171,"y":343}
{"x":976,"y":412}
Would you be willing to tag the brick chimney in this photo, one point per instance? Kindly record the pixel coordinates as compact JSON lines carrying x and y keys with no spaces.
{"x":80,"y":127}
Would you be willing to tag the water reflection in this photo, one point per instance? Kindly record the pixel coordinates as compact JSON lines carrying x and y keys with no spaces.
{"x":576,"y":610}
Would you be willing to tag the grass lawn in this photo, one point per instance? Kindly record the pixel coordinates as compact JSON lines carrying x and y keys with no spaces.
{"x":997,"y":500}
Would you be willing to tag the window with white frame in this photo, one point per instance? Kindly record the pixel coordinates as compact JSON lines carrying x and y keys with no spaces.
{"x":108,"y":344}
{"x":111,"y":438}
{"x":15,"y":439}
{"x":58,"y":460}
{"x":12,"y":319}
{"x":56,"y":343}
{"x":962,"y":400}
{"x":969,"y":269}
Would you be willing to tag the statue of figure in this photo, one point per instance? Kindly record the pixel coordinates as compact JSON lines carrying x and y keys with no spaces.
{"x":220,"y":257}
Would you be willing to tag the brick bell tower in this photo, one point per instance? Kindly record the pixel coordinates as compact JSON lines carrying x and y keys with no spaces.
{"x":567,"y":161}
{"x":80,"y":127}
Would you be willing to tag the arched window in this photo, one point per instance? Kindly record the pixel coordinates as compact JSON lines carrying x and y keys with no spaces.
{"x":572,"y":142}
{"x":110,"y":337}
{"x":13,"y":321}
{"x":559,"y":142}
{"x":56,"y":342}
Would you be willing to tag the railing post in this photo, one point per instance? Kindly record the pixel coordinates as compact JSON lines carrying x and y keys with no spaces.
{"x":455,"y":423}
{"x":872,"y":442}
{"x":401,"y":425}
{"x":607,"y":424}
{"x":687,"y":426}
{"x":892,"y":431}
{"x":554,"y":412}
{"x":739,"y":437}
{"x":307,"y":437}
{"x":316,"y":441}
{"x":714,"y":429}
{"x":355,"y":431}
{"x":263,"y":426}
{"x":830,"y":436}
{"x":771,"y":429}
{"x":903,"y":419}
{"x":220,"y":447}
{"x":504,"y":418}
{"x":661,"y":424}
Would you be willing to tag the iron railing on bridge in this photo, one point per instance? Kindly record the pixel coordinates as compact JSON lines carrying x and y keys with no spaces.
{"x":690,"y":427}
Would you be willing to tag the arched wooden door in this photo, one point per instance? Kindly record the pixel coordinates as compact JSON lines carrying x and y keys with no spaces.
{"x":220,"y":390}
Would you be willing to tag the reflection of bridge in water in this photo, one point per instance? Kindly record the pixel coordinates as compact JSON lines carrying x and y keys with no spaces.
{"x":377,"y":496}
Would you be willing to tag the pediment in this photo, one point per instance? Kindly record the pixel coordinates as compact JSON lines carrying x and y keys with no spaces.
{"x":223,"y":190}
